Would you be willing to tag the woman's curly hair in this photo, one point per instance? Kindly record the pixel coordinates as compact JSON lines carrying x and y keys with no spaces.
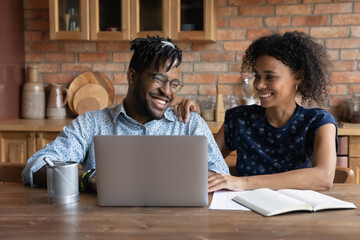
{"x":302,"y":54}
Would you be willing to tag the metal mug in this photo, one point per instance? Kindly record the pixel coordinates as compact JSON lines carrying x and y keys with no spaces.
{"x":63,"y":182}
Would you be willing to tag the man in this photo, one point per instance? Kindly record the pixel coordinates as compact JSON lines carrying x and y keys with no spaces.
{"x":153,"y":78}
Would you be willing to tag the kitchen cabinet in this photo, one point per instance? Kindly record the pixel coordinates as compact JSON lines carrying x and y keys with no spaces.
{"x":193,"y":20}
{"x":354,"y":157}
{"x":110,"y":20}
{"x":119,"y":20}
{"x":354,"y":163}
{"x":352,"y":130}
{"x":343,"y":152}
{"x":85,"y":20}
{"x":20,"y":139}
{"x":17,"y":147}
{"x":150,"y":18}
{"x":60,"y":19}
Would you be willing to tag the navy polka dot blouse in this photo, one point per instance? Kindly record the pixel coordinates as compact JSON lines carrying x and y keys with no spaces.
{"x":264,"y":149}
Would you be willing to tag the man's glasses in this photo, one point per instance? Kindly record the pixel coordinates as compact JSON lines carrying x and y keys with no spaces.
{"x":160,"y":81}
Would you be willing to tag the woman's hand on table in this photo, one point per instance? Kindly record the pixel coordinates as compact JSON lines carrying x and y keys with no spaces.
{"x":218,"y":181}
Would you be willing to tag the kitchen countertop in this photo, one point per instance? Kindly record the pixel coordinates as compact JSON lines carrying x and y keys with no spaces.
{"x":345,"y":128}
{"x":49,"y":125}
{"x":52,"y":125}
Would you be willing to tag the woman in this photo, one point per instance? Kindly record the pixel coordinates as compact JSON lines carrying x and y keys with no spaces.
{"x":281,"y":144}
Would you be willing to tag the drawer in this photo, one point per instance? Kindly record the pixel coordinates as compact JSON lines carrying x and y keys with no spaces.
{"x":354,"y":146}
{"x":342,"y":161}
{"x":343,"y":142}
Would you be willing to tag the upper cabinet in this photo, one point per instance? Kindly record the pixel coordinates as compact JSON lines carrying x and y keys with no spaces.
{"x":110,"y":20}
{"x":89,"y":19}
{"x":193,"y":20}
{"x":150,"y":18}
{"x":69,"y":19}
{"x":117,"y":20}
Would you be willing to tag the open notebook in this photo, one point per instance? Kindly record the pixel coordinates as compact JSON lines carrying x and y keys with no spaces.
{"x":268,"y":202}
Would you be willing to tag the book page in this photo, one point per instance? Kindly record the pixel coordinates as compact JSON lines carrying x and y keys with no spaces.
{"x":222,"y":200}
{"x":268,"y":202}
{"x":317,"y":200}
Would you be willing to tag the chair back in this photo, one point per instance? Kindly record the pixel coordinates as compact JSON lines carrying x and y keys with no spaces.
{"x":11,"y":172}
{"x":343,"y":175}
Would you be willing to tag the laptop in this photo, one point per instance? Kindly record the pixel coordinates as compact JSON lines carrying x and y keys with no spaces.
{"x":151,"y":170}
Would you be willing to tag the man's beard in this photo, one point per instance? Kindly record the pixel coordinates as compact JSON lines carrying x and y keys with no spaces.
{"x":143,"y":105}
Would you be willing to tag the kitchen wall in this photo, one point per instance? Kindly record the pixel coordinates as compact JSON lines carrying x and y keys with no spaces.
{"x":336,"y":23}
{"x":12,"y":57}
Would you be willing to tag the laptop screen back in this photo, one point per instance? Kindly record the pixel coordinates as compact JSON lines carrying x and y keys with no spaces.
{"x":151,"y":170}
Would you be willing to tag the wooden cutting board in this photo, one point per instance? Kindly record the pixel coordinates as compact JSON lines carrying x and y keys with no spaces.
{"x":90,"y":97}
{"x":90,"y":77}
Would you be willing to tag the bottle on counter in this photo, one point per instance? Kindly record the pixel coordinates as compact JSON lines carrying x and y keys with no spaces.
{"x":33,"y":95}
{"x":219,"y":108}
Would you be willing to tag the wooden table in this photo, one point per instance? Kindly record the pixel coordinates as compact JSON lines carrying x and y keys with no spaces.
{"x":25,"y":214}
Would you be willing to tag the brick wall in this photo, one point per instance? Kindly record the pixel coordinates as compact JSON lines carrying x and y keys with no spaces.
{"x":336,"y":23}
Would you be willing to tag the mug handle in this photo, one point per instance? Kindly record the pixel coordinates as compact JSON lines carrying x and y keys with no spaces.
{"x":64,"y":89}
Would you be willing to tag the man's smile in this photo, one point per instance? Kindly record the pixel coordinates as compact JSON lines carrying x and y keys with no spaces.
{"x":160,"y":103}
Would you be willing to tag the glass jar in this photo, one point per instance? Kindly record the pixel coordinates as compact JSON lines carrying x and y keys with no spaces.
{"x":345,"y":106}
{"x":231,"y":101}
{"x":207,"y":107}
{"x":248,"y":91}
{"x":354,"y":111}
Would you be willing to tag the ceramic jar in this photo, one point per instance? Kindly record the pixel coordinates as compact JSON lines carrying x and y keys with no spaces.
{"x":33,"y":96}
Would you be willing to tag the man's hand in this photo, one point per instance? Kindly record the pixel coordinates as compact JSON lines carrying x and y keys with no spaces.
{"x":183,"y":108}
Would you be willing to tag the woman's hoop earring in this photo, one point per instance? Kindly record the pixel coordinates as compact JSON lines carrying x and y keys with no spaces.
{"x":297,"y":86}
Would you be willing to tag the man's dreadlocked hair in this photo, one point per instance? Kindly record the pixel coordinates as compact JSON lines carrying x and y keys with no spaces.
{"x":153,"y":50}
